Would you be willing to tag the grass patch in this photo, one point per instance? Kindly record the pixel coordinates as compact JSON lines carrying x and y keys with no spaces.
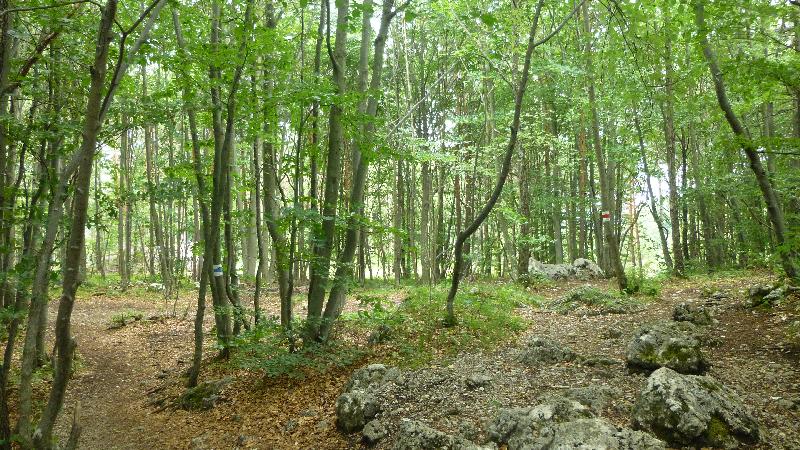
{"x":595,"y":301}
{"x":485,"y":312}
{"x":123,"y":318}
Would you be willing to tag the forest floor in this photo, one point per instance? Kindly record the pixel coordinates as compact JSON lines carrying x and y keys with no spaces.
{"x":127,"y":378}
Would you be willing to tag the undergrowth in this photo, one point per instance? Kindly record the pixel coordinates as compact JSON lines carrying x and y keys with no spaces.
{"x":595,"y":301}
{"x":123,"y":318}
{"x":266,"y":348}
{"x":412,"y":333}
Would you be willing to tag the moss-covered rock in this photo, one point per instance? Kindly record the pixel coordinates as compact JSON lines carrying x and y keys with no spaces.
{"x":695,"y":411}
{"x":667,"y":344}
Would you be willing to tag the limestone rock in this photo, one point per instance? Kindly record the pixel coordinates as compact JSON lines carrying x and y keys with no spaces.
{"x":696,"y":314}
{"x":595,"y":434}
{"x":371,"y":377}
{"x":666,"y":344}
{"x":354,"y":409}
{"x":691,"y":410}
{"x":518,"y":428}
{"x":417,"y":436}
{"x":204,"y":395}
{"x":545,"y":351}
{"x":478,"y":380}
{"x":586,"y":269}
{"x":359,"y":403}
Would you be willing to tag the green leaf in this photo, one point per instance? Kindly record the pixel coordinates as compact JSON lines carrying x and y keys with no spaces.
{"x":488,"y":19}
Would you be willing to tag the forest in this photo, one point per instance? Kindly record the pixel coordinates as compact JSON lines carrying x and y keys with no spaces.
{"x":405,"y":224}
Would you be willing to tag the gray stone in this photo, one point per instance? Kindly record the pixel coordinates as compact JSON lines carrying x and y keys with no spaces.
{"x":594,"y":434}
{"x":373,"y":432}
{"x":539,"y":350}
{"x":551,"y":271}
{"x":666,"y":344}
{"x":586,"y":269}
{"x":599,"y":360}
{"x":417,"y":436}
{"x":775,"y":296}
{"x":518,"y":428}
{"x":478,"y":380}
{"x":691,"y":410}
{"x":765,"y":294}
{"x":354,"y":409}
{"x":371,"y":377}
{"x":359,"y":402}
{"x":696,"y":314}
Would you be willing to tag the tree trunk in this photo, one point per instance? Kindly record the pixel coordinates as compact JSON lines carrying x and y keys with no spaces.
{"x":604,"y":174}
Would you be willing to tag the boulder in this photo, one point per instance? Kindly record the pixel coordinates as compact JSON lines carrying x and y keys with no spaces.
{"x":765,"y":294}
{"x":359,"y":402}
{"x":692,"y":410}
{"x":595,"y":397}
{"x":478,"y":380}
{"x":354,"y":409}
{"x":594,"y":434}
{"x":666,"y":344}
{"x":696,"y":314}
{"x":545,"y":351}
{"x":417,"y":436}
{"x":586,"y":269}
{"x":518,"y":428}
{"x":775,"y":296}
{"x":580,"y":269}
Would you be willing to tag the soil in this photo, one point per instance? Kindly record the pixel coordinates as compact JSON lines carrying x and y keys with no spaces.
{"x":127,"y":378}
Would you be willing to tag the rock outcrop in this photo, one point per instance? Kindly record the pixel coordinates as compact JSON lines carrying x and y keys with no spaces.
{"x":417,"y":436}
{"x":518,"y":428}
{"x":594,"y":434}
{"x":666,"y":344}
{"x":580,"y":269}
{"x":539,"y":350}
{"x":695,"y":411}
{"x":696,"y":314}
{"x":359,"y":404}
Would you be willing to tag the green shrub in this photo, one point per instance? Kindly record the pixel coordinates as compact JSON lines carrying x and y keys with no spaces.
{"x":639,"y":283}
{"x":266,"y":348}
{"x":534,"y":280}
{"x":485,"y":312}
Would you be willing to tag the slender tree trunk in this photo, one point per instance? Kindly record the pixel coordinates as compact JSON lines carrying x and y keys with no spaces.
{"x":320,"y":268}
{"x":605,"y":174}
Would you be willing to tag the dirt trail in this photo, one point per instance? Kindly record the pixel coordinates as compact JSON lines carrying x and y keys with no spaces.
{"x":116,"y":368}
